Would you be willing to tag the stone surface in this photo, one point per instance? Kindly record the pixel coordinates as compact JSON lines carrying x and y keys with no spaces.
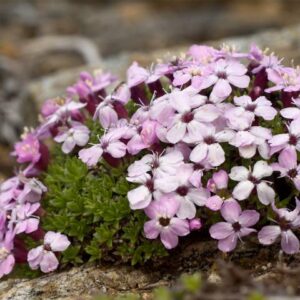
{"x":284,"y":42}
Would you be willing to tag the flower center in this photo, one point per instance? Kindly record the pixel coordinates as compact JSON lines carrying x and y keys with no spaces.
{"x":149,"y":184}
{"x":104,"y":145}
{"x":209,"y":140}
{"x":293,"y":140}
{"x":236,"y":226}
{"x":284,"y":225}
{"x":47,"y":247}
{"x":251,"y":107}
{"x":164,"y":221}
{"x":253,"y":179}
{"x":222,"y":75}
{"x":187,"y":117}
{"x":292,"y":173}
{"x":197,"y":167}
{"x":182,"y":191}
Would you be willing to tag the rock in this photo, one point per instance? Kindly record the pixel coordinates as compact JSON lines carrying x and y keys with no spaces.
{"x":285,"y":43}
{"x":79,"y":281}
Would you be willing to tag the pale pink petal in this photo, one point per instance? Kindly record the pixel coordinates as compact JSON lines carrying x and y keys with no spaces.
{"x":289,"y":242}
{"x":68,"y":144}
{"x":221,"y":230}
{"x":207,"y":113}
{"x":214,"y":203}
{"x":222,"y":89}
{"x":49,"y":262}
{"x":239,"y":81}
{"x":187,"y":209}
{"x":139,"y":198}
{"x":116,"y":149}
{"x":265,"y":193}
{"x":262,"y":169}
{"x":239,"y":173}
{"x":169,"y":239}
{"x":247,"y":151}
{"x":91,"y":155}
{"x":266,"y":112}
{"x":295,"y":127}
{"x":243,"y":190}
{"x":176,"y":133}
{"x":151,"y":229}
{"x":180,"y":227}
{"x":199,"y":152}
{"x":288,"y":158}
{"x":231,"y":211}
{"x":198,"y":196}
{"x":215,"y":155}
{"x":290,"y":112}
{"x":228,"y":244}
{"x":279,"y":139}
{"x":268,"y":234}
{"x":7,"y":265}
{"x":57,"y":241}
{"x":248,"y":218}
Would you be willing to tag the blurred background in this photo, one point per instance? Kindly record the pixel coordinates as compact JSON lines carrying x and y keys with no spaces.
{"x":44,"y":44}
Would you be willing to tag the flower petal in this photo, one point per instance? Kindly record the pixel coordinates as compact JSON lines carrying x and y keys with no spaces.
{"x":243,"y":190}
{"x":268,"y":234}
{"x":231,"y":211}
{"x":221,"y":230}
{"x":265,"y":193}
{"x":289,"y":242}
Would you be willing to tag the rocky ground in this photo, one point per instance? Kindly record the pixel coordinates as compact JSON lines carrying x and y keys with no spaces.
{"x":226,"y":277}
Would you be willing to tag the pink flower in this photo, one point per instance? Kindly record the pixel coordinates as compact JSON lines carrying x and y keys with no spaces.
{"x":106,"y":113}
{"x":216,"y":184}
{"x":283,"y":140}
{"x":50,"y":106}
{"x":23,"y":216}
{"x":237,"y":225}
{"x":9,"y":190}
{"x":7,"y":260}
{"x":223,"y":74}
{"x":292,"y":112}
{"x":202,"y":53}
{"x":109,"y":143}
{"x":288,"y":167}
{"x":60,"y":115}
{"x":252,"y":139}
{"x":89,"y":89}
{"x":261,"y":107}
{"x":141,"y":196}
{"x":28,"y":150}
{"x":190,"y":73}
{"x":78,"y":135}
{"x":287,"y":221}
{"x":250,"y":180}
{"x":182,"y":189}
{"x":159,"y":165}
{"x":184,"y":122}
{"x":219,"y":181}
{"x":238,"y":118}
{"x":163,"y":223}
{"x":208,"y":146}
{"x":195,"y":224}
{"x":32,"y":190}
{"x":144,"y":137}
{"x":43,"y":256}
{"x":287,"y":79}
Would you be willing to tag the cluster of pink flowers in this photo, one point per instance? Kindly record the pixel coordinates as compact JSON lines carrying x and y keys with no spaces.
{"x":206,"y":140}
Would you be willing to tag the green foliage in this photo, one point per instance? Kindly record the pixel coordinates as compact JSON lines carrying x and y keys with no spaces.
{"x":91,"y":208}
